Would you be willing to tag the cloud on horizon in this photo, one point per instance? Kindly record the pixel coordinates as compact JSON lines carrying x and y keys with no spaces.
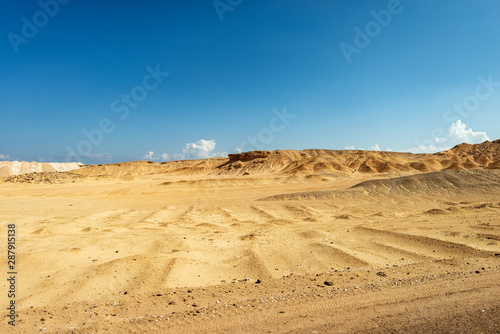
{"x":202,"y":149}
{"x":458,"y":133}
{"x":375,"y":147}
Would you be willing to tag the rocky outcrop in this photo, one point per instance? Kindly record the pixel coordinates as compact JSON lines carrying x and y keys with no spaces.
{"x":248,"y":156}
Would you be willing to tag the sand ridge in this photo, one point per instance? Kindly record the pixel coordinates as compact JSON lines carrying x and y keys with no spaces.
{"x":307,"y":162}
{"x":451,"y":183}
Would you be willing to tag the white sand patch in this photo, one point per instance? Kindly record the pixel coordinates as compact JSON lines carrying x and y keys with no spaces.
{"x":8,"y":168}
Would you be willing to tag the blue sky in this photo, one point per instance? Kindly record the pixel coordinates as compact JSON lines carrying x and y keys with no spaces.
{"x":242,"y":75}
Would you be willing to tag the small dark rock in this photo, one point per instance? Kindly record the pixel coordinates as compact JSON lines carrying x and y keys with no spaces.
{"x":381,"y":274}
{"x":258,"y":281}
{"x":328,"y":283}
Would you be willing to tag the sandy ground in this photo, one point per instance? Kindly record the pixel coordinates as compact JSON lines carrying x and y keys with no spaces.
{"x":150,"y":254}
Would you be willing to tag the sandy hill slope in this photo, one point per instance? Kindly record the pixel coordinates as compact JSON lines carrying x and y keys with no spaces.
{"x":309,"y":162}
{"x":448,"y":181}
{"x":135,"y":168}
{"x":443,"y":183}
{"x":44,"y":177}
{"x":467,"y":156}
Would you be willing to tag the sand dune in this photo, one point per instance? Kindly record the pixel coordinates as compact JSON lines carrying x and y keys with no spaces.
{"x":448,"y":182}
{"x":309,"y":162}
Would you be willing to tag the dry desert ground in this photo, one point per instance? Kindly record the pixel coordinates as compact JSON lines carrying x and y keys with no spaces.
{"x":308,"y":241}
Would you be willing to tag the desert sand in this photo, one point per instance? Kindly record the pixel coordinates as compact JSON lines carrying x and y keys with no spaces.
{"x":312,"y":241}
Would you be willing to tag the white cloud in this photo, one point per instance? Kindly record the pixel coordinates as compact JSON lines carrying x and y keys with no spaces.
{"x":375,"y":147}
{"x":457,"y":133}
{"x":426,"y":149}
{"x":202,"y":149}
{"x":150,"y":156}
{"x":5,"y":157}
{"x":440,"y":140}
